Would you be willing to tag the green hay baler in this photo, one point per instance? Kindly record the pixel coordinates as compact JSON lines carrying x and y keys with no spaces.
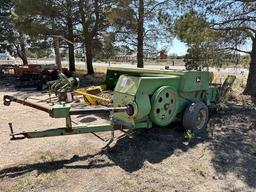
{"x":142,"y":98}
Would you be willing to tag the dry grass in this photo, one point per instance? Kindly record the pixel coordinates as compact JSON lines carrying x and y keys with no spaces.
{"x":35,"y":178}
{"x":238,"y":85}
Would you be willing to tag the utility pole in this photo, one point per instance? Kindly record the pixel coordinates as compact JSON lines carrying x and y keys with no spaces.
{"x":56,"y":44}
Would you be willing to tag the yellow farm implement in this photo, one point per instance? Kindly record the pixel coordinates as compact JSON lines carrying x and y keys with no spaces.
{"x":95,"y":95}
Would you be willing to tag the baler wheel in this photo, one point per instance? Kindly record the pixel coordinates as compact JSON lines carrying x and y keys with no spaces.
{"x":195,"y":118}
{"x":163,"y":103}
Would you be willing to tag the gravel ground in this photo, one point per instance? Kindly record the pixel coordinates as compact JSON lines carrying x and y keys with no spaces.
{"x":150,"y":160}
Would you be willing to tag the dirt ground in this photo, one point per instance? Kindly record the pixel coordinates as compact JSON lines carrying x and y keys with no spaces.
{"x":151,"y":160}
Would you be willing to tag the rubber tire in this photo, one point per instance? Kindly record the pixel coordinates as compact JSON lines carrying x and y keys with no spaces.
{"x":190,"y":118}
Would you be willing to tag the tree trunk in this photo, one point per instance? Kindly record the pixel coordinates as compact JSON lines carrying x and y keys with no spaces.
{"x":56,"y":45}
{"x":23,"y":54}
{"x":140,"y":37}
{"x":24,"y":60}
{"x":71,"y":56}
{"x":251,"y":85}
{"x":71,"y":49}
{"x":89,"y":57}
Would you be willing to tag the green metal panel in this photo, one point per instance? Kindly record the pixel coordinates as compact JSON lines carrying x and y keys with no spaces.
{"x":194,"y":81}
{"x":81,"y":129}
{"x":136,"y":91}
{"x":139,"y":89}
{"x":114,"y":73}
{"x":60,"y":111}
{"x":213,"y":94}
{"x":134,"y":71}
{"x":123,"y":99}
{"x":197,"y":80}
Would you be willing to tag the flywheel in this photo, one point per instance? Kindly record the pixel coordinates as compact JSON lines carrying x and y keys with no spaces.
{"x":163,"y":106}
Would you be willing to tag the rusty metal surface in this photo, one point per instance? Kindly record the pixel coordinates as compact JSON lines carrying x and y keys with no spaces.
{"x":8,"y":99}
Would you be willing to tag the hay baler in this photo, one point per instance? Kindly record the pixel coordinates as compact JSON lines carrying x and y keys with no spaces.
{"x":142,"y":98}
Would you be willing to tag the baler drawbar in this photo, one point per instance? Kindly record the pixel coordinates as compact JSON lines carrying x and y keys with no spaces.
{"x":63,"y":111}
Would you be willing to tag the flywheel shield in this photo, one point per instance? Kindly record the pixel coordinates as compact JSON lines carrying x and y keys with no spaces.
{"x":163,"y":102}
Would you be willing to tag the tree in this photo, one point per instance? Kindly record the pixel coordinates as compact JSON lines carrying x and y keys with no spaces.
{"x":138,"y":27}
{"x":93,"y":20}
{"x":76,"y":20}
{"x":107,"y":48}
{"x":48,"y":19}
{"x":11,"y":39}
{"x":236,"y":19}
{"x":140,"y":34}
{"x":67,"y":22}
{"x":202,"y":41}
{"x":69,"y":8}
{"x":39,"y":48}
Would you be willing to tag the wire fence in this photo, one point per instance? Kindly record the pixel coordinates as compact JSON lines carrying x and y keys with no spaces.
{"x":172,"y":63}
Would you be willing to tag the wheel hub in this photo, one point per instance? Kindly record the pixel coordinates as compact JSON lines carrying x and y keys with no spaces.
{"x":201,"y":118}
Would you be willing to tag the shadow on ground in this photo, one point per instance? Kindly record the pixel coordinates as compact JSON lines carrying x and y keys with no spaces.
{"x":234,"y":143}
{"x":129,"y":153}
{"x":46,"y":167}
{"x":152,"y":145}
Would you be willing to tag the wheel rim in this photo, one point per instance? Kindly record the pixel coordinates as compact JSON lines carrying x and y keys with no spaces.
{"x":163,"y":106}
{"x":201,"y":119}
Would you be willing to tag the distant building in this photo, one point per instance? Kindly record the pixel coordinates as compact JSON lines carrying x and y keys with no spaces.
{"x":125,"y":58}
{"x":163,"y":56}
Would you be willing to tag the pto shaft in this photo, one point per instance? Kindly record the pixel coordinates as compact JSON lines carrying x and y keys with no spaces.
{"x":106,"y":110}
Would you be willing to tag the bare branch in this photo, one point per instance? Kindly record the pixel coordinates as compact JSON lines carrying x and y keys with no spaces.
{"x":235,"y":49}
{"x":155,"y":6}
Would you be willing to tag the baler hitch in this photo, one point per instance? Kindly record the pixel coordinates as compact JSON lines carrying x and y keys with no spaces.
{"x":63,"y":111}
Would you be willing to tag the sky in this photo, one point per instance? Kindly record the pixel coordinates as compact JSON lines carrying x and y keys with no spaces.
{"x":178,"y":48}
